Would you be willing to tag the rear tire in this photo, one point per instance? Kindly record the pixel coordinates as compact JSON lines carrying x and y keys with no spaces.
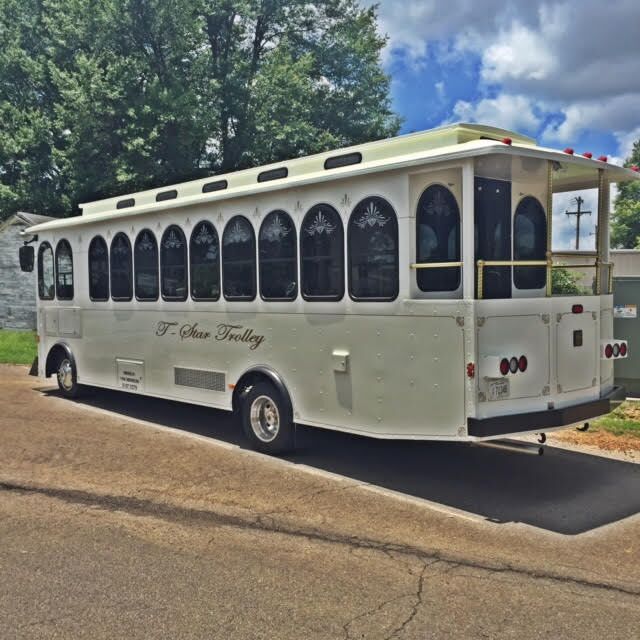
{"x":267,"y":420}
{"x":67,"y":376}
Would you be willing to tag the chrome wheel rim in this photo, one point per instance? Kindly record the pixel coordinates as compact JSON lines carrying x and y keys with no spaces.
{"x":265,"y":418}
{"x":65,"y":375}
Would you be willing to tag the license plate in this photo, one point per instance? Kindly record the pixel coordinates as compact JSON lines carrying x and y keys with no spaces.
{"x":499,"y":390}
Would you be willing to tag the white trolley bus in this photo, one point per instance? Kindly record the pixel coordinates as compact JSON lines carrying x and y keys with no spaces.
{"x":397,"y":289}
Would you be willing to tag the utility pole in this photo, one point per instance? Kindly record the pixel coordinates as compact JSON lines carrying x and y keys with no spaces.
{"x":578,"y":214}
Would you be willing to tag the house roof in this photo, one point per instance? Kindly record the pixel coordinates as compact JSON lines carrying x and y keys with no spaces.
{"x":24,"y":218}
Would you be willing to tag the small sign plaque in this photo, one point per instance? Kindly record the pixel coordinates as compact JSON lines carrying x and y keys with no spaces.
{"x":625,"y":311}
{"x":130,"y":375}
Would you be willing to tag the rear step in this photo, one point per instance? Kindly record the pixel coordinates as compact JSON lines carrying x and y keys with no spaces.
{"x":512,"y":445}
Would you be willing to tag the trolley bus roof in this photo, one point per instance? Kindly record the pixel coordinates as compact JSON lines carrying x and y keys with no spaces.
{"x":450,"y":143}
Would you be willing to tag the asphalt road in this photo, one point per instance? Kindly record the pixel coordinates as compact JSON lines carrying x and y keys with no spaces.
{"x":112,"y":528}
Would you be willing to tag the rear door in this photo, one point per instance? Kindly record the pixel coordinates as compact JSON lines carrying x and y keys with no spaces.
{"x":492,"y":203}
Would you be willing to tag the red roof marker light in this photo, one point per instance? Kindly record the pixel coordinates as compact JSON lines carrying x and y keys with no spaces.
{"x":603,"y":158}
{"x":508,"y":141}
{"x":569,"y":150}
{"x":588,"y":154}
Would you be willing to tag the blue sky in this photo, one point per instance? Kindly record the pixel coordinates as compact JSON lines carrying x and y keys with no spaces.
{"x":565,"y":72}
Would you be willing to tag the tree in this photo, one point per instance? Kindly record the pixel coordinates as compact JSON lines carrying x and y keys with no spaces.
{"x":625,"y":223}
{"x":102,"y":97}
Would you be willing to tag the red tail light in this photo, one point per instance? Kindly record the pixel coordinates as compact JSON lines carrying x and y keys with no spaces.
{"x":577,"y":308}
{"x":504,"y":366}
{"x":523,"y":363}
{"x":608,"y":351}
{"x":623,"y":349}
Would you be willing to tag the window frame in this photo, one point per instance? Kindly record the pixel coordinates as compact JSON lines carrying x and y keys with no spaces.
{"x":101,"y":239}
{"x":458,"y":269}
{"x":185,"y":263}
{"x":61,"y":243}
{"x":255,"y":261}
{"x":350,"y":253}
{"x":520,"y":271}
{"x":294,"y":259}
{"x":130,"y":296}
{"x":43,"y":246}
{"x":218,"y":262}
{"x":135,"y":268}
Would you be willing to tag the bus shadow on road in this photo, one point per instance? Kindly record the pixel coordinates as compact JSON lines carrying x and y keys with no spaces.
{"x":563,"y":491}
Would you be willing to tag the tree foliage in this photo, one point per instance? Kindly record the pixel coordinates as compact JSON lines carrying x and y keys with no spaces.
{"x":102,"y":97}
{"x":625,"y":223}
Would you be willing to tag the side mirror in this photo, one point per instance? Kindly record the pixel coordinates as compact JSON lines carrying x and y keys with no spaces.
{"x":25,"y":254}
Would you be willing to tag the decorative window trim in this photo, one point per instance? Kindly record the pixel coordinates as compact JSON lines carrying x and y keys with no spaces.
{"x":321,"y":226}
{"x":372,"y":218}
{"x":204,"y":237}
{"x":174,"y":238}
{"x":102,"y":243}
{"x":41,"y":249}
{"x":226,"y":243}
{"x":62,"y":243}
{"x":273,"y":231}
{"x":113,"y":250}
{"x":147,"y":241}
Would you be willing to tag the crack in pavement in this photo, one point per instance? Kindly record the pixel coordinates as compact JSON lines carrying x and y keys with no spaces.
{"x":178,"y":514}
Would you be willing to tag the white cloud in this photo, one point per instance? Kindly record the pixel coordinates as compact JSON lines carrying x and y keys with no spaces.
{"x":507,"y":111}
{"x":575,"y":61}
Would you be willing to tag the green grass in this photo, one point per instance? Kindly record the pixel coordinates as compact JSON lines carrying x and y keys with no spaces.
{"x":625,"y":420}
{"x":17,"y":347}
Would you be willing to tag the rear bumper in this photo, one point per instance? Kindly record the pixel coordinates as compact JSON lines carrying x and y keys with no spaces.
{"x":544,"y":420}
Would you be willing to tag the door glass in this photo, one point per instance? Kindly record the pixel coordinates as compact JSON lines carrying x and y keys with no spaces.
{"x":492,"y":203}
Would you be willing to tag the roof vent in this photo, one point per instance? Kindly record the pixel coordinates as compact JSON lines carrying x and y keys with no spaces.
{"x":344,"y":160}
{"x":273,"y":174}
{"x":218,"y":185}
{"x":125,"y":204}
{"x":167,"y":195}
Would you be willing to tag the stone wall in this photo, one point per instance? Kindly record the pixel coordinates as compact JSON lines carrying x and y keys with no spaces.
{"x":17,"y":289}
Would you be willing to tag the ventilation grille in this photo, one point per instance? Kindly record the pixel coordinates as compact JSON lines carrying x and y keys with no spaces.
{"x":199,"y":379}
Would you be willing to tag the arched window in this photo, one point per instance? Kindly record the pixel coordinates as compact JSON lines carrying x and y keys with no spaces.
{"x":121,"y":268}
{"x":145,"y":262}
{"x":173,"y":264}
{"x":46,"y":272}
{"x":64,"y":271}
{"x":529,"y":243}
{"x":322,"y":254}
{"x":204,"y":257}
{"x":98,"y":269}
{"x":373,"y":251}
{"x":278,"y":257}
{"x":438,"y":239}
{"x":239,"y":260}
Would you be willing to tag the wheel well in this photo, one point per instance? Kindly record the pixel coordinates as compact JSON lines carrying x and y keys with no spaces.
{"x":55,"y":355}
{"x":261,"y":374}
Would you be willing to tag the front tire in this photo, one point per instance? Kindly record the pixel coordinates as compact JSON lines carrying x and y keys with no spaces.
{"x":267,"y":420}
{"x":67,"y":376}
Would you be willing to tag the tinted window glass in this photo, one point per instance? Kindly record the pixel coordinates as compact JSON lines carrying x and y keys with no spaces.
{"x":529,"y":243}
{"x":278,"y":258}
{"x":373,"y":251}
{"x":46,"y":277}
{"x":173,"y":264}
{"x":322,"y":254}
{"x":64,"y":271}
{"x":121,"y":268}
{"x":98,"y":269}
{"x":438,"y":239}
{"x":204,"y":255}
{"x":145,"y":255}
{"x":239,"y":260}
